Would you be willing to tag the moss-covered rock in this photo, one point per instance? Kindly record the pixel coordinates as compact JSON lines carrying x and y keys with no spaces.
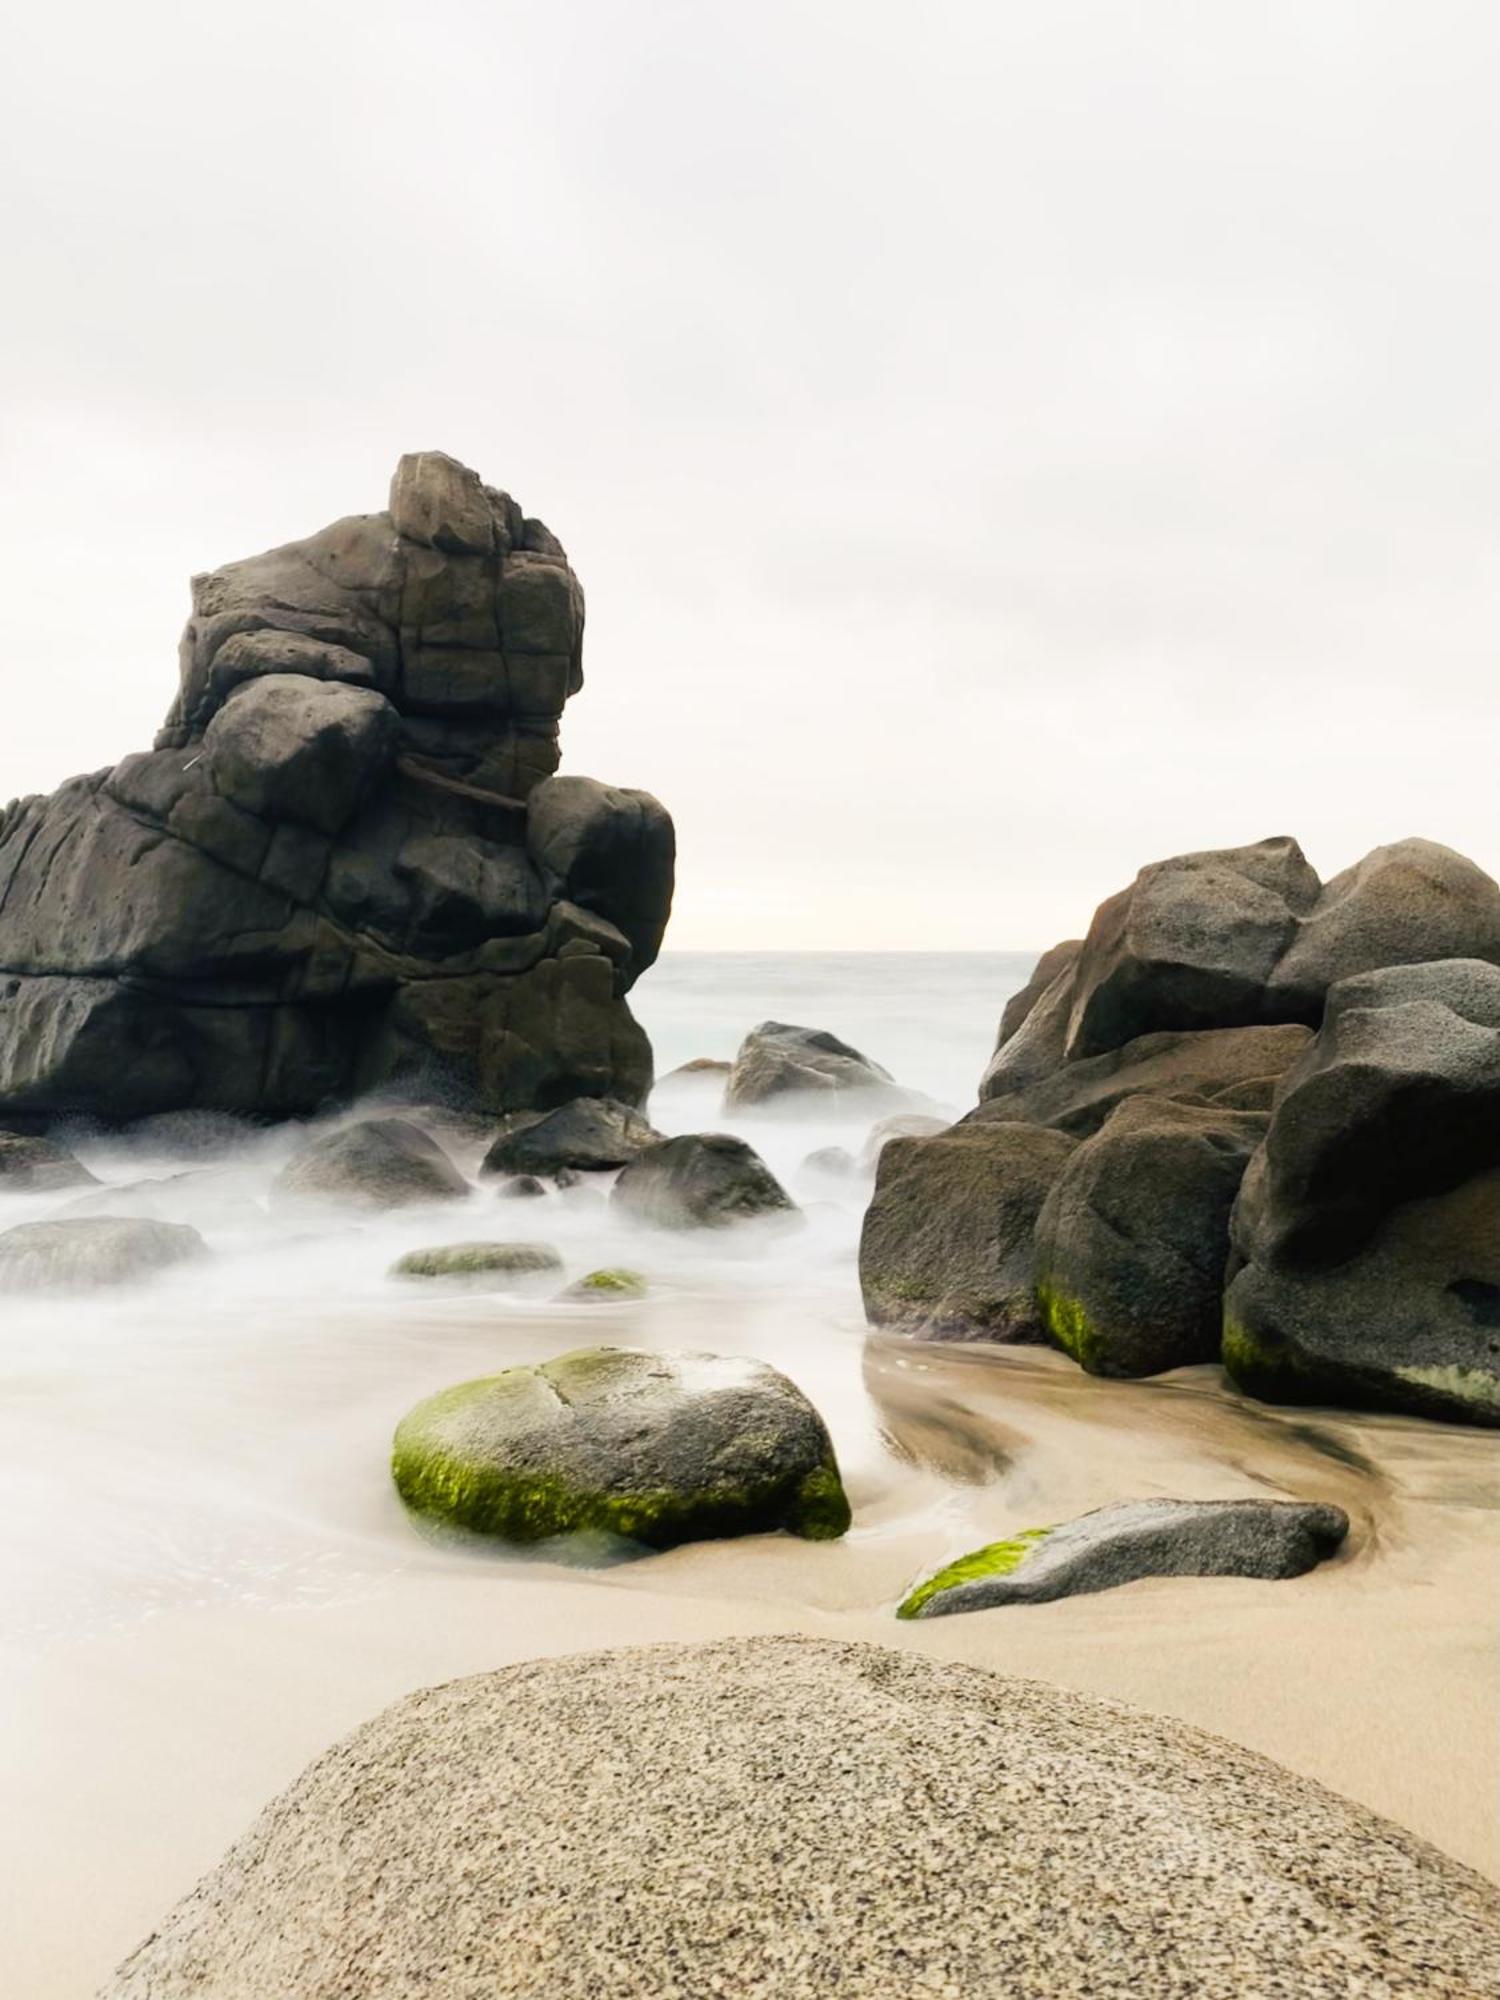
{"x":484,"y":1265}
{"x":1133,"y":1539}
{"x":658,"y":1448}
{"x":607,"y":1285}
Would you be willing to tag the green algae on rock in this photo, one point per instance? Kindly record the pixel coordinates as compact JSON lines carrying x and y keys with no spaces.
{"x":1133,"y":1539}
{"x":657,"y":1448}
{"x":608,"y":1284}
{"x":480,"y":1263}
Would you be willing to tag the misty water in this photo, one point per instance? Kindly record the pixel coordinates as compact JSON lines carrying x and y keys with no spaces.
{"x":222,"y":1432}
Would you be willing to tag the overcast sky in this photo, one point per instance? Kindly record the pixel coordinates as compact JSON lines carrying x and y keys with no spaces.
{"x":1002,"y":443}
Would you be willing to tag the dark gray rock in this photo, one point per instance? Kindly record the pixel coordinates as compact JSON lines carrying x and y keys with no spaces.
{"x":699,"y":1180}
{"x":1237,"y":1068}
{"x":1133,"y":1539}
{"x":1037,"y":1046}
{"x":378,"y":1163}
{"x":1368,"y":1228}
{"x":947,"y":1244}
{"x":83,"y":1252}
{"x":523,"y":1187}
{"x":35,"y":1165}
{"x":660,"y":1448}
{"x":590,"y":1135}
{"x":776,"y":1060}
{"x":816,"y":1820}
{"x":1191,"y":944}
{"x":1402,"y":904}
{"x":1049,"y":968}
{"x":1132,"y":1241}
{"x":343,"y":867}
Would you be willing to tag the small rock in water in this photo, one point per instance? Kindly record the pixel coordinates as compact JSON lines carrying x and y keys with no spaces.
{"x":700,"y":1180}
{"x":488,"y":1266}
{"x":378,"y":1163}
{"x":604,"y":1286}
{"x":524,"y":1187}
{"x":900,"y":1125}
{"x":33,"y":1165}
{"x":829,"y":1167}
{"x":590,"y":1135}
{"x":659,"y":1448}
{"x":1132,"y":1539}
{"x":87,"y":1251}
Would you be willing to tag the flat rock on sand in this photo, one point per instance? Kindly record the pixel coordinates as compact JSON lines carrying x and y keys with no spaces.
{"x":788,"y":1816}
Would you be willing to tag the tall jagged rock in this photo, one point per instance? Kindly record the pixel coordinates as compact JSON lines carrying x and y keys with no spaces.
{"x":346,"y":864}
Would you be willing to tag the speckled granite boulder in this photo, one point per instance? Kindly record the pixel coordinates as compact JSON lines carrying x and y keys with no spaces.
{"x":700,"y":1180}
{"x":659,"y":1448}
{"x":778,"y":1062}
{"x":801,"y":1817}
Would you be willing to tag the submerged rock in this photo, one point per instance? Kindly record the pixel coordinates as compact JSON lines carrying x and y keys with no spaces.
{"x":776,"y":1060}
{"x":947,"y":1244}
{"x":347,"y":863}
{"x":1133,"y":1539}
{"x":810,"y":1818}
{"x":1132,"y":1240}
{"x":590,"y":1135}
{"x":34,"y":1165}
{"x":660,"y":1448}
{"x":523,"y":1187}
{"x":82,"y":1252}
{"x":608,"y":1287}
{"x":378,"y":1163}
{"x":900,"y":1125}
{"x":484,"y":1266}
{"x":699,"y":1180}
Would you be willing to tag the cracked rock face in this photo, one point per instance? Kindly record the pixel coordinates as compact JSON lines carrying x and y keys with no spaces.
{"x":347,"y":863}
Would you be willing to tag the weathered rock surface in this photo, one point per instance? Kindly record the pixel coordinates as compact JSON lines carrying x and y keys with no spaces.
{"x":660,"y":1448}
{"x":1133,"y":1239}
{"x":590,"y":1135}
{"x":947,"y":1247}
{"x":1369,"y":1227}
{"x":1049,"y":968}
{"x":776,"y":1061}
{"x":838,"y":1820}
{"x":81,"y":1252}
{"x":1133,"y":1539}
{"x":347,"y":863}
{"x":483,"y":1266}
{"x":34,"y":1165}
{"x":377,"y":1163}
{"x":900,"y":1125}
{"x":699,"y":1180}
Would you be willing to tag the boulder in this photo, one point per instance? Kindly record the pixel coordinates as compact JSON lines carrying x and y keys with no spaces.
{"x":524,"y":1187}
{"x":776,"y":1061}
{"x":900,"y":1125}
{"x":1401,"y":905}
{"x":814,"y":1818}
{"x":659,"y":1448}
{"x":608,"y":1287}
{"x":1191,"y":944}
{"x":483,"y":1266}
{"x":1367,"y":1232}
{"x":1132,"y":1539}
{"x":1049,"y":968}
{"x":1237,"y":1068}
{"x":1037,"y":1045}
{"x":377,"y":1163}
{"x":34,"y":1165}
{"x":831,"y":1168}
{"x":346,"y":866}
{"x":81,"y":1252}
{"x":590,"y":1135}
{"x":699,"y":1180}
{"x":1133,"y":1238}
{"x":947,"y":1244}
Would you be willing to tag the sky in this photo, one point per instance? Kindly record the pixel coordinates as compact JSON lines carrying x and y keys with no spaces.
{"x":1001,"y":444}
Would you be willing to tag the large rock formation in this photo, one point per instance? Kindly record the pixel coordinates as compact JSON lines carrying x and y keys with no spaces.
{"x":816,"y":1820}
{"x":346,"y":863}
{"x":1231,"y":1040}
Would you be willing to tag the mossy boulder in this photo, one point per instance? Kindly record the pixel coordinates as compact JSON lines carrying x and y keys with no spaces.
{"x":1133,"y":1539}
{"x":658,"y":1448}
{"x":607,"y":1285}
{"x":483,"y":1266}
